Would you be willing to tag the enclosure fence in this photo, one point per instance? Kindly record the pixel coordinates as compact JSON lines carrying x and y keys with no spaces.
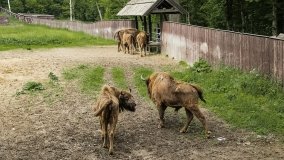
{"x":247,"y":52}
{"x":105,"y":29}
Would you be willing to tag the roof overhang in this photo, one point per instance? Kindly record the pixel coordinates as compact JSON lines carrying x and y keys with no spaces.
{"x":147,"y":7}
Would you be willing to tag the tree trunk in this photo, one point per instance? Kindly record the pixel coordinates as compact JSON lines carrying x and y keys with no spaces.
{"x":9,"y":5}
{"x":274,"y":18}
{"x":242,"y":16}
{"x":229,"y":14}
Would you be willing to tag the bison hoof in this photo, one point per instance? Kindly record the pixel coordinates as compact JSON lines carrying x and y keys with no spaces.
{"x":182,"y":130}
{"x":110,"y":152}
{"x":161,"y":126}
{"x":208,"y":134}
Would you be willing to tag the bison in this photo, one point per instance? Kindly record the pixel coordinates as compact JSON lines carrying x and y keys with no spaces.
{"x":119,"y":34}
{"x":109,"y":104}
{"x":128,"y":42}
{"x":165,"y":92}
{"x":142,"y":41}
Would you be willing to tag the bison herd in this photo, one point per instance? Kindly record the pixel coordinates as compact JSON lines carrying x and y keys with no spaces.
{"x":131,"y":39}
{"x":163,"y":90}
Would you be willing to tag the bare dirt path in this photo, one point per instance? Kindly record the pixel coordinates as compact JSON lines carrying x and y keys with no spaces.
{"x":61,"y":125}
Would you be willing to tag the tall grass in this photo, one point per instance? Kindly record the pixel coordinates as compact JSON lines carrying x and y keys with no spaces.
{"x":90,"y":78}
{"x":118,"y":76}
{"x":141,"y":85}
{"x":246,"y":100}
{"x":27,"y":36}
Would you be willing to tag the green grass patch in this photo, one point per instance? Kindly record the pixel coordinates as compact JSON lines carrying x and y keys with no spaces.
{"x":140,"y":84}
{"x":28,"y":36}
{"x":246,"y":100}
{"x":33,"y":86}
{"x":89,"y":78}
{"x":119,"y":78}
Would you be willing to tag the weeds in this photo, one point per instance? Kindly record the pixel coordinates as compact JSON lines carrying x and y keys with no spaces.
{"x":119,"y":78}
{"x":33,"y":86}
{"x":52,"y":77}
{"x":90,"y":78}
{"x":140,"y":84}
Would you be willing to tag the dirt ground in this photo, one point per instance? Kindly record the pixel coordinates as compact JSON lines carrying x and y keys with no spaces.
{"x":60,"y":124}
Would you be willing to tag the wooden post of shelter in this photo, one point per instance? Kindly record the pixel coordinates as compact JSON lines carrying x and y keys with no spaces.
{"x":150,"y":27}
{"x":148,"y":7}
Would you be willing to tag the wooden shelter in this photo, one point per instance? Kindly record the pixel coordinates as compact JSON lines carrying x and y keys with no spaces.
{"x":144,"y":9}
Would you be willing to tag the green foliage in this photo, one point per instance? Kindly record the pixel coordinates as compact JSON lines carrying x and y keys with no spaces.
{"x":201,"y":66}
{"x":246,"y":100}
{"x":183,"y":64}
{"x":119,"y":78}
{"x":33,"y":86}
{"x":89,"y":78}
{"x":52,"y":77}
{"x":31,"y":36}
{"x":140,"y":84}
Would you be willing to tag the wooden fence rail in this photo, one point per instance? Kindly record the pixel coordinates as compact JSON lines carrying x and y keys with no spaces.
{"x":244,"y":51}
{"x":103,"y":29}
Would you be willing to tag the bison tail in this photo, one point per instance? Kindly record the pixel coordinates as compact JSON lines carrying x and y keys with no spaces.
{"x":199,"y":91}
{"x":102,"y":107}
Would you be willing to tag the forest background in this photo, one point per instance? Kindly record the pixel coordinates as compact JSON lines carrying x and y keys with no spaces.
{"x":263,"y":17}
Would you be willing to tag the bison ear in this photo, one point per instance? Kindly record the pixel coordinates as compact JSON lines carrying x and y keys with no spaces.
{"x":121,"y":95}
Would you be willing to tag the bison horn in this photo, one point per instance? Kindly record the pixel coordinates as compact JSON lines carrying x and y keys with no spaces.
{"x":143,"y":78}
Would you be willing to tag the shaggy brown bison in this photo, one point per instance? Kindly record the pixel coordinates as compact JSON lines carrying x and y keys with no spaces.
{"x":128,"y":42}
{"x":110,"y":102}
{"x":165,"y":92}
{"x":119,"y":34}
{"x":142,"y":41}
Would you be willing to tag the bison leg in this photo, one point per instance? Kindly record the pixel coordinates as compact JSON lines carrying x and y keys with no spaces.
{"x":189,"y":119}
{"x":104,"y":132}
{"x":161,"y":109}
{"x":111,"y":133}
{"x":196,"y":111}
{"x":118,"y":46}
{"x":144,"y":48}
{"x":140,"y":50}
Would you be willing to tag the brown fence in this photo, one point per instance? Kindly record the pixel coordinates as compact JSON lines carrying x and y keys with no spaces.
{"x":104,"y":29}
{"x":248,"y":52}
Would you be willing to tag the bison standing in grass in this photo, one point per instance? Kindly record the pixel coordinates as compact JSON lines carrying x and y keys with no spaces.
{"x":165,"y":92}
{"x":110,"y":102}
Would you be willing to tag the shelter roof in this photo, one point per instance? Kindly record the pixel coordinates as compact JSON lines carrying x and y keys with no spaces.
{"x":146,"y":7}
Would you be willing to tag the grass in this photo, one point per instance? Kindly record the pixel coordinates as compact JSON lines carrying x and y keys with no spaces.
{"x":246,"y":100}
{"x":28,"y":36}
{"x":119,"y":78}
{"x":141,"y":86}
{"x":90,"y":78}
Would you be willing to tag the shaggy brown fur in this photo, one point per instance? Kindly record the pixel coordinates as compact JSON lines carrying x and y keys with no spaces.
{"x":128,"y":43}
{"x":167,"y":92}
{"x":119,"y":34}
{"x":110,"y":102}
{"x":142,"y":41}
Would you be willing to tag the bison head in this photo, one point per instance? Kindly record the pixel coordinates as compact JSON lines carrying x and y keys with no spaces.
{"x":126,"y":101}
